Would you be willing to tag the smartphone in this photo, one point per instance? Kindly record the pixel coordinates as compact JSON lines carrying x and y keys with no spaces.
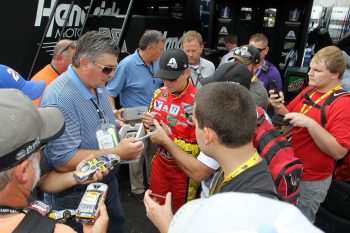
{"x":143,"y":137}
{"x":154,"y":195}
{"x":273,"y":86}
{"x":87,"y":209}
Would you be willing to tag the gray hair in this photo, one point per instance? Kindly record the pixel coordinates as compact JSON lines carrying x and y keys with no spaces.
{"x":152,"y":38}
{"x":62,"y":46}
{"x":93,"y":44}
{"x":5,"y":176}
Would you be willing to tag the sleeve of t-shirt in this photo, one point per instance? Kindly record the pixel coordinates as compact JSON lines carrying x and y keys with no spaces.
{"x":209,"y":162}
{"x":116,"y":84}
{"x":338,"y":120}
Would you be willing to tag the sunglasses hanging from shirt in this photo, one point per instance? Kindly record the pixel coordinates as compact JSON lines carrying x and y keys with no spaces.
{"x":199,"y":76}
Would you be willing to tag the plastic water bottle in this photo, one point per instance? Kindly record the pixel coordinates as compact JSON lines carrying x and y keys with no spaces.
{"x":307,"y":57}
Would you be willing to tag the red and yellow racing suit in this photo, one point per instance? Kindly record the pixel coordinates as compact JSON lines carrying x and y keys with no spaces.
{"x":166,"y":175}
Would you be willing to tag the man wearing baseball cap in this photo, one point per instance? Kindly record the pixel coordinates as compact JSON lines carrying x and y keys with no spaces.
{"x":249,"y":56}
{"x":24,"y":129}
{"x":168,"y":107}
{"x":9,"y":78}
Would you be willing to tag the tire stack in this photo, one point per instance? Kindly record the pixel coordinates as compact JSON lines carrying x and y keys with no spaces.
{"x":334,"y":213}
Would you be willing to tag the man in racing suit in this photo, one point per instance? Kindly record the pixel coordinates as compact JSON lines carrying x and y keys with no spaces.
{"x":169,"y":106}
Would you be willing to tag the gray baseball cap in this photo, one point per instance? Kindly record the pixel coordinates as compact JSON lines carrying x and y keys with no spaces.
{"x":24,"y":128}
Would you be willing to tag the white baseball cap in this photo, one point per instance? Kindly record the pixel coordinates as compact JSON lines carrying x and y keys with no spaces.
{"x":240,"y":212}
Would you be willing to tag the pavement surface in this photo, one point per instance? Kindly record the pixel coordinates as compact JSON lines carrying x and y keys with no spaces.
{"x":136,"y":220}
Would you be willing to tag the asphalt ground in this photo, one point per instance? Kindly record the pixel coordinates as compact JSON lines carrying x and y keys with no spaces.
{"x":136,"y":220}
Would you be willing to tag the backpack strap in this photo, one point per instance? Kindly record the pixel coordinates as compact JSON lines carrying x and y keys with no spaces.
{"x":267,"y":137}
{"x":260,"y":119}
{"x":273,"y":150}
{"x":34,"y":222}
{"x":308,"y":100}
{"x":329,"y":101}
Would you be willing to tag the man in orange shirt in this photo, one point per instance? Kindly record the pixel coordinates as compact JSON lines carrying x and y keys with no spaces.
{"x":61,"y":59}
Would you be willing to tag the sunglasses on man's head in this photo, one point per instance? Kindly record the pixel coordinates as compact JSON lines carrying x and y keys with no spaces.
{"x":106,"y":69}
{"x":72,"y":45}
{"x":242,"y":52}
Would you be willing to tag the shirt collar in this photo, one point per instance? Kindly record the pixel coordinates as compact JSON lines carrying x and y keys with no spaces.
{"x":139,"y":61}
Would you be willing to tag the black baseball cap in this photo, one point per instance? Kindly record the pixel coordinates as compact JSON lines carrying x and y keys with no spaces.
{"x":246,"y":54}
{"x":172,"y":63}
{"x":230,"y":72}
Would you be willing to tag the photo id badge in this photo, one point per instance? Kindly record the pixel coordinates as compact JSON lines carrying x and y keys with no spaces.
{"x":106,"y":137}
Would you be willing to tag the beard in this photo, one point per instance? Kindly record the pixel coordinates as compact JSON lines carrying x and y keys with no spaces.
{"x":36,"y":168}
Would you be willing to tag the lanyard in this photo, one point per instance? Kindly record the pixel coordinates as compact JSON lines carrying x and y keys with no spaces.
{"x":99,"y":112}
{"x":249,"y":163}
{"x":254,"y":78}
{"x":304,"y":111}
{"x":54,"y":69}
{"x":149,"y":70}
{"x":9,"y":210}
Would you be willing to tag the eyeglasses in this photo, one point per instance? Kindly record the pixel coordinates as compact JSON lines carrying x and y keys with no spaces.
{"x":105,"y":69}
{"x":72,"y":45}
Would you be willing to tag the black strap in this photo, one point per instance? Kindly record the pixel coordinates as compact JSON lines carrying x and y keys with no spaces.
{"x":99,"y":113}
{"x":267,"y":137}
{"x":330,"y":99}
{"x":273,"y":150}
{"x":149,"y":70}
{"x":34,"y":222}
{"x":260,"y":119}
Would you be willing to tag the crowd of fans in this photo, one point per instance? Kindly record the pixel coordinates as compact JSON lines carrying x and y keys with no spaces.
{"x":201,"y":123}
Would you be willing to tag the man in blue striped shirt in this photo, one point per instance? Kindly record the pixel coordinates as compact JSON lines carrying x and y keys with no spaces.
{"x":81,"y":96}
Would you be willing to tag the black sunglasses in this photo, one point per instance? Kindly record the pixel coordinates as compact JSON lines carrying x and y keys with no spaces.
{"x":72,"y":45}
{"x":106,"y":69}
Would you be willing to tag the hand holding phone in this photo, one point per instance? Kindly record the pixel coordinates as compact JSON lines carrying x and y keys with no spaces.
{"x":273,"y":87}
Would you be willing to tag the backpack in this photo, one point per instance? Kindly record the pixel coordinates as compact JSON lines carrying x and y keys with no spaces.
{"x":285,"y":168}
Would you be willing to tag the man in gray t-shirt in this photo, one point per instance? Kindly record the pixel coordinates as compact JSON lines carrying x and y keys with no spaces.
{"x":250,"y":56}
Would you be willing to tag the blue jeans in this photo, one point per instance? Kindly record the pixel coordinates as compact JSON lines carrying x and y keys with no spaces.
{"x":70,"y":199}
